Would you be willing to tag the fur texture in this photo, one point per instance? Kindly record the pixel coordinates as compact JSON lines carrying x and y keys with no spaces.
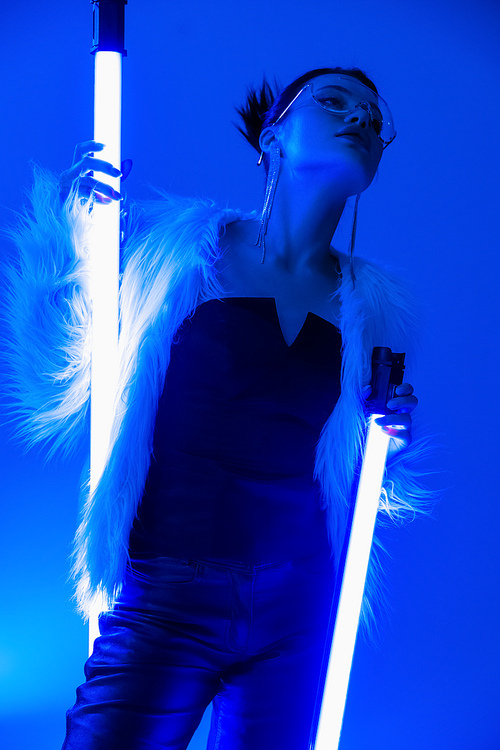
{"x":168,"y":269}
{"x":46,"y":309}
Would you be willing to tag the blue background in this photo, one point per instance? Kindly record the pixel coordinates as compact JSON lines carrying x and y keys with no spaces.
{"x":431,"y":681}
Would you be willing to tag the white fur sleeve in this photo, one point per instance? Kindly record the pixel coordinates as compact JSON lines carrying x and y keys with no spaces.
{"x":46,"y":311}
{"x":394,"y":320}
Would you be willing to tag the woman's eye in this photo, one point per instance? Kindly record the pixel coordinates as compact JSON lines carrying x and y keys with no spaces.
{"x":377,"y":126}
{"x":331,"y":101}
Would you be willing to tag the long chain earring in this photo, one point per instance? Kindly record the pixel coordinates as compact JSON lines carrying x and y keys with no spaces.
{"x":272,"y":181}
{"x":352,"y":241}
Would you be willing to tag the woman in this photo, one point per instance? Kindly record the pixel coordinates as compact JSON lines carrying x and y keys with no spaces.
{"x":215,"y":528}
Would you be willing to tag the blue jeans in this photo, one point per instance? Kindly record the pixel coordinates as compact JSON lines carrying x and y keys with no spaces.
{"x":184,"y":633}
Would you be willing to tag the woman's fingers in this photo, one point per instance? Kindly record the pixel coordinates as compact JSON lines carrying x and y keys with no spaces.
{"x":88,"y":185}
{"x":397,"y":426}
{"x":91,"y":164}
{"x":404,"y":400}
{"x":85,"y":167}
{"x":404,"y":389}
{"x":85,"y":151}
{"x":395,"y":421}
{"x":85,"y":159}
{"x":80,"y":176}
{"x":86,"y":147}
{"x":403,"y":403}
{"x":104,"y":189}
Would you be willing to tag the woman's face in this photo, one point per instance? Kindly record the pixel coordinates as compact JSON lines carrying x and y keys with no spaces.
{"x":329,"y":146}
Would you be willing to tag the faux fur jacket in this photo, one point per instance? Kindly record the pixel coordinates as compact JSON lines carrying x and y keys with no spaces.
{"x":167,"y":269}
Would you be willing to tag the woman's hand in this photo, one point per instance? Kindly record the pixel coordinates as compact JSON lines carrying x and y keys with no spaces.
{"x":79,"y":177}
{"x":398,"y":425}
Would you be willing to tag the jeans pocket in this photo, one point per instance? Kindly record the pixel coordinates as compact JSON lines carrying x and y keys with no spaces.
{"x":163,"y":571}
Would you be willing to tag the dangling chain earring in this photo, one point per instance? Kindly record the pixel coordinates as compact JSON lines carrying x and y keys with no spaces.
{"x":352,"y":241}
{"x":272,"y":181}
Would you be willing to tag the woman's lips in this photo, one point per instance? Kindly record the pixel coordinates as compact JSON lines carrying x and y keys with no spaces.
{"x":354,"y":138}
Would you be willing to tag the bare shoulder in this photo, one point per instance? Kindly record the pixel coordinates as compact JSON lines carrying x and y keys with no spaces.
{"x":238,"y":236}
{"x":238,"y":230}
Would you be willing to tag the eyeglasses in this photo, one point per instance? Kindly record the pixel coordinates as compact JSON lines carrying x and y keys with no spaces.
{"x":340,"y":94}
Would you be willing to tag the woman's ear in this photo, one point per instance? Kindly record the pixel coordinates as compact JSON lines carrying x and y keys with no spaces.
{"x":266,"y":139}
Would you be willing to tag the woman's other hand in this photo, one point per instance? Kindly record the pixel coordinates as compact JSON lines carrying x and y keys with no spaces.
{"x":397,"y":425}
{"x":79,"y":177}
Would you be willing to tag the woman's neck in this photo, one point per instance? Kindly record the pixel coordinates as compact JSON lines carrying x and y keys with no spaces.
{"x":303,"y":221}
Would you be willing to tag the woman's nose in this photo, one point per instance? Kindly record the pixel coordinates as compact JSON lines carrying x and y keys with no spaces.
{"x":360,"y":114}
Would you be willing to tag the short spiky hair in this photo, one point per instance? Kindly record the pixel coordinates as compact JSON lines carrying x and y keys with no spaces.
{"x":264,"y":105}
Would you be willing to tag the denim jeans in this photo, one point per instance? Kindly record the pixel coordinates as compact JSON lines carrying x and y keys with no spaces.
{"x":184,"y":633}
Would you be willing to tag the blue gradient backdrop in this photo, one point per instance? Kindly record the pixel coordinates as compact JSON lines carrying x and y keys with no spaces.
{"x":432,"y":680}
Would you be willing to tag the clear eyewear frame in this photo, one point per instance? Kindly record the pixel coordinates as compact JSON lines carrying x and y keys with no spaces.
{"x":386,"y":120}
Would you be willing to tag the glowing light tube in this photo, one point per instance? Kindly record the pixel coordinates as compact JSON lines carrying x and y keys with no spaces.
{"x":351,"y":593}
{"x":104,"y":267}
